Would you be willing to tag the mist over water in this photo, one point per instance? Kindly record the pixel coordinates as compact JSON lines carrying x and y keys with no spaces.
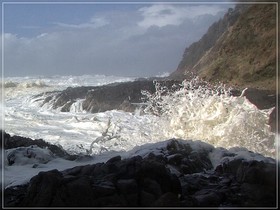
{"x":194,"y":111}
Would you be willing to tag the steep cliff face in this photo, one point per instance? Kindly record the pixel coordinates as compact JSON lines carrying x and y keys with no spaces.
{"x":239,"y":49}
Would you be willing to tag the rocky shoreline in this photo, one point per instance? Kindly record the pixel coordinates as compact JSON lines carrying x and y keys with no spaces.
{"x":125,"y":96}
{"x":239,"y":50}
{"x":176,"y":175}
{"x":119,"y":96}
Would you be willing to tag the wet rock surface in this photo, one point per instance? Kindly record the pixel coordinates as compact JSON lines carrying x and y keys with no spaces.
{"x":265,"y":99}
{"x":119,"y":96}
{"x":177,"y":176}
{"x":174,"y":176}
{"x":125,"y":96}
{"x":10,"y":142}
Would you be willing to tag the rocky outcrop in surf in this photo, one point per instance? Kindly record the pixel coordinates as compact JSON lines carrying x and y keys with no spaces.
{"x":116,"y":96}
{"x":128,"y":96}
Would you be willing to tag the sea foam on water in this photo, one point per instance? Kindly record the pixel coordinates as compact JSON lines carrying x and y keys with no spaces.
{"x":193,"y":110}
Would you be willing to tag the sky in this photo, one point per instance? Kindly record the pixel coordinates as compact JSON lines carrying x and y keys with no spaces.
{"x":138,"y":39}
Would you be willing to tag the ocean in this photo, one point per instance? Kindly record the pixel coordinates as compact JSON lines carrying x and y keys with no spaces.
{"x":191,"y":113}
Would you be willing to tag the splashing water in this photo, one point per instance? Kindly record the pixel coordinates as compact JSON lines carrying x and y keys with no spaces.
{"x":193,"y":110}
{"x":198,"y":111}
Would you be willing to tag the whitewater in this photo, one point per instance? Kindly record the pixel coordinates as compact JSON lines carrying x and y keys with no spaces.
{"x":191,"y":113}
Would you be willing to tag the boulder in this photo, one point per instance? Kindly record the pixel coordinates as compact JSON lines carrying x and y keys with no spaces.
{"x":155,"y":180}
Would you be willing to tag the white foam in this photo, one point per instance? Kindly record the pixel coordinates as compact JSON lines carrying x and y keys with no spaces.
{"x":189,"y":113}
{"x":28,"y":155}
{"x":21,"y":174}
{"x":198,"y":112}
{"x":77,"y":106}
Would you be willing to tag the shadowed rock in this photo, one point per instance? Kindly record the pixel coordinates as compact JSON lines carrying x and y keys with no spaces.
{"x":155,"y":180}
{"x":18,"y":141}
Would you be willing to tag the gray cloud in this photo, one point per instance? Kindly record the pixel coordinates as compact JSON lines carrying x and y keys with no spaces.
{"x":93,"y":23}
{"x":137,"y":43}
{"x":163,"y":15}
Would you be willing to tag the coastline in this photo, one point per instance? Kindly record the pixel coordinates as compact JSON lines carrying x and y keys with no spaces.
{"x":171,"y":164}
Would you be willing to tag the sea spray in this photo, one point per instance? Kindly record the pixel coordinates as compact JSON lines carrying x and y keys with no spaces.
{"x":193,"y":110}
{"x":200,"y":111}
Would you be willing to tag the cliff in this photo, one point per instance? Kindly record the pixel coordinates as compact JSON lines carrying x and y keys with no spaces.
{"x":239,"y":49}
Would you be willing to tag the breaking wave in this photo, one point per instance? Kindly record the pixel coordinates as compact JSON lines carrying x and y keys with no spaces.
{"x":194,"y":110}
{"x":203,"y":112}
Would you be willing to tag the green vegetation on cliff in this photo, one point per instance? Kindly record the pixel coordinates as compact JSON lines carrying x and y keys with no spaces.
{"x":239,"y":49}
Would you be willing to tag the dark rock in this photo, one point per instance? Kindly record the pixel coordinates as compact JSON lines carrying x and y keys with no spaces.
{"x":13,"y":196}
{"x":175,"y":147}
{"x":18,"y":141}
{"x":74,"y":171}
{"x":152,"y":186}
{"x":132,"y":199}
{"x":158,"y":172}
{"x":99,"y":170}
{"x":122,"y":96}
{"x":253,"y":181}
{"x":87,"y":170}
{"x":229,"y":167}
{"x":168,"y":199}
{"x":149,"y":182}
{"x":114,"y":159}
{"x":175,"y":159}
{"x":42,"y":189}
{"x":263,"y":99}
{"x":129,"y":182}
{"x":258,"y":195}
{"x":257,"y":172}
{"x":129,"y":168}
{"x":273,"y":120}
{"x":161,"y":158}
{"x":66,"y":98}
{"x":79,"y":192}
{"x":114,"y":200}
{"x":127,"y":186}
{"x":207,"y":197}
{"x":192,"y":183}
{"x":102,"y":189}
{"x":225,"y":181}
{"x":187,"y":161}
{"x":146,"y":199}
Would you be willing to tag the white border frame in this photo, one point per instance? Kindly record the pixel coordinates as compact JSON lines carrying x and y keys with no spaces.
{"x":277,"y":136}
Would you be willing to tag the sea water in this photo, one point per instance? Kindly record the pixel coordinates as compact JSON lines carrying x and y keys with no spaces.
{"x":193,"y":111}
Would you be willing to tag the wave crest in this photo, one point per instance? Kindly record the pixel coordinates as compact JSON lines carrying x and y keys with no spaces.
{"x":200,"y":111}
{"x":26,"y":84}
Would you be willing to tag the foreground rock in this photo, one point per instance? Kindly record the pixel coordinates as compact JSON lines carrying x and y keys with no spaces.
{"x":175,"y":175}
{"x":19,"y":142}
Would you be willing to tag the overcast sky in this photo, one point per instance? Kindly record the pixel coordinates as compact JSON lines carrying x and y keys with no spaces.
{"x":110,"y":39}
